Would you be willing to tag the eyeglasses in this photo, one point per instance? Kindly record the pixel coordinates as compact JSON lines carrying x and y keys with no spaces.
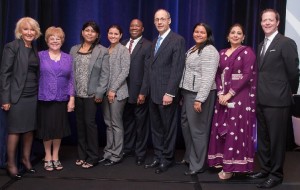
{"x":161,"y":19}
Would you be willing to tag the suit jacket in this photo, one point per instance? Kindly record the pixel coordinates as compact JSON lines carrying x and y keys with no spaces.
{"x":200,"y":71}
{"x":98,"y":69}
{"x":13,"y":72}
{"x":138,"y":68}
{"x":166,"y":67}
{"x":278,"y":72}
{"x":56,"y":82}
{"x":119,"y":63}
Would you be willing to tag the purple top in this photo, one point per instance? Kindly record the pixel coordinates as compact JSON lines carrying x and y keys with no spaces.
{"x":56,"y":82}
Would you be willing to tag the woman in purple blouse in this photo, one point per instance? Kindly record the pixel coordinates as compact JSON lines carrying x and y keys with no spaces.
{"x":56,"y":97}
{"x":234,"y":123}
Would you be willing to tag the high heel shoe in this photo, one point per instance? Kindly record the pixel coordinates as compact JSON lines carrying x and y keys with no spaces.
{"x":14,"y":176}
{"x":31,"y":170}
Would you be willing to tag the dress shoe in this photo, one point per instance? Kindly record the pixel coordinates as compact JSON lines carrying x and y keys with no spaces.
{"x":154,"y":164}
{"x":161,"y":168}
{"x":258,"y":175}
{"x":140,"y":161}
{"x":182,"y":162}
{"x":110,"y":163}
{"x":194,"y":172}
{"x":269,"y":183}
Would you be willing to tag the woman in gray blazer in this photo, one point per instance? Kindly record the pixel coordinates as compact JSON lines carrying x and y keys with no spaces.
{"x":199,"y":94}
{"x":117,"y":92}
{"x":91,"y":73}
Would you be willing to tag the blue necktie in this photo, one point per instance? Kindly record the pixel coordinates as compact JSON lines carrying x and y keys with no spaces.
{"x":157,"y":44}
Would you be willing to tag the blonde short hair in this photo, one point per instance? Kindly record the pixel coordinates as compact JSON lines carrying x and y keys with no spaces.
{"x":58,"y":31}
{"x":27,"y":20}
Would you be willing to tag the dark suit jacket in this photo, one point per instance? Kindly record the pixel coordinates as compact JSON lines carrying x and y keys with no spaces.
{"x":138,"y":66}
{"x":278,"y":72}
{"x":13,"y":72}
{"x":166,"y":67}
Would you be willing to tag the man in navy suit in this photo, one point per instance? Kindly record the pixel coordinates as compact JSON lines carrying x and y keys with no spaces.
{"x":135,"y":116}
{"x":278,"y":79}
{"x":165,"y":70}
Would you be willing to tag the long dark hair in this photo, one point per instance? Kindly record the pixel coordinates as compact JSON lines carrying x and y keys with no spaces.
{"x":210,"y":38}
{"x":95,"y":28}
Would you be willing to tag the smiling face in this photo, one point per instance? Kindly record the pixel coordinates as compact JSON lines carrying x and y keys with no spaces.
{"x":89,"y":35}
{"x":136,"y":29}
{"x":269,"y":23}
{"x":236,"y":36}
{"x":162,"y":21}
{"x":200,"y":34}
{"x":54,"y":42}
{"x":28,"y":33}
{"x":114,"y":35}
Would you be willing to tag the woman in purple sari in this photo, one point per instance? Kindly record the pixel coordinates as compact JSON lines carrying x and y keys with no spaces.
{"x":234,"y":124}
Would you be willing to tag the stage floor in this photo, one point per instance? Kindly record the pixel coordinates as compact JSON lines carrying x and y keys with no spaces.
{"x":128,"y":176}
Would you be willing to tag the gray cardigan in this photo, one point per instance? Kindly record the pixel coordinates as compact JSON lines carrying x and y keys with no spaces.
{"x":119,"y":63}
{"x":200,"y":71}
{"x":98,"y":70}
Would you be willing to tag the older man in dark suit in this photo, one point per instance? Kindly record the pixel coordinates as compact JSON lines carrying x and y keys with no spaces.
{"x":165,"y":71}
{"x":278,"y":79}
{"x":135,"y":116}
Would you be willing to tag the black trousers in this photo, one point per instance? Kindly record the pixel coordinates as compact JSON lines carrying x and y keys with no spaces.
{"x":163,"y":121}
{"x":271,"y":139}
{"x":87,"y":131}
{"x":136,"y":128}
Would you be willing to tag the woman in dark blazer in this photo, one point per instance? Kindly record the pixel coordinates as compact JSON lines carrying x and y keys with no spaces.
{"x":91,"y":72}
{"x":117,"y":93}
{"x":19,"y":87}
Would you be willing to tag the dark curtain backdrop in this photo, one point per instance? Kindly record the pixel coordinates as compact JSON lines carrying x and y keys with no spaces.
{"x":71,"y":14}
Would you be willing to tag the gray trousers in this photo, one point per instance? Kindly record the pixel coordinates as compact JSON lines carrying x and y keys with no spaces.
{"x":112,"y":114}
{"x":196,"y":128}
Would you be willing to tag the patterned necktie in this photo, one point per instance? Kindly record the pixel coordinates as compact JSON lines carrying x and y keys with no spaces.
{"x":264,"y":48}
{"x":130,"y":46}
{"x":157,"y":44}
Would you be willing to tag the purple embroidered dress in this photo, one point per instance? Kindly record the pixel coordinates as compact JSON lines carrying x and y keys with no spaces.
{"x":232,"y":139}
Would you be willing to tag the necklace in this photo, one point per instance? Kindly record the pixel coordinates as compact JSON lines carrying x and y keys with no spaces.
{"x":55,"y":57}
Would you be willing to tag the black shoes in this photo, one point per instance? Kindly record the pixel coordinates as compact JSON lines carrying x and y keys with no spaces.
{"x":161,"y":168}
{"x":31,"y":170}
{"x":194,"y":172}
{"x":258,"y":175}
{"x":14,"y":176}
{"x":269,"y":183}
{"x":154,"y":164}
{"x":182,"y":162}
{"x":140,"y":161}
{"x":110,"y":163}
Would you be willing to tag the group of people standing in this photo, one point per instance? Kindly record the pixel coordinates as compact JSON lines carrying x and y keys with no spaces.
{"x":140,"y":86}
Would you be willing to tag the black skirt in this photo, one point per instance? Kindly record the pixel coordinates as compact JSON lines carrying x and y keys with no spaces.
{"x":53,"y":122}
{"x":21,"y":117}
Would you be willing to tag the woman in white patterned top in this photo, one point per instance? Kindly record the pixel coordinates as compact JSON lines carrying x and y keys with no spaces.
{"x":199,"y":94}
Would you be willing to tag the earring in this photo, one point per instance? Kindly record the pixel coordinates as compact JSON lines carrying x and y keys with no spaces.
{"x":228,"y":41}
{"x":242,"y":41}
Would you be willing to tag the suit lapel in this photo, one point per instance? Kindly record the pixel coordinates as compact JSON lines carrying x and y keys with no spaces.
{"x":136,"y":48}
{"x":271,"y":47}
{"x":163,"y":45}
{"x":94,"y":57}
